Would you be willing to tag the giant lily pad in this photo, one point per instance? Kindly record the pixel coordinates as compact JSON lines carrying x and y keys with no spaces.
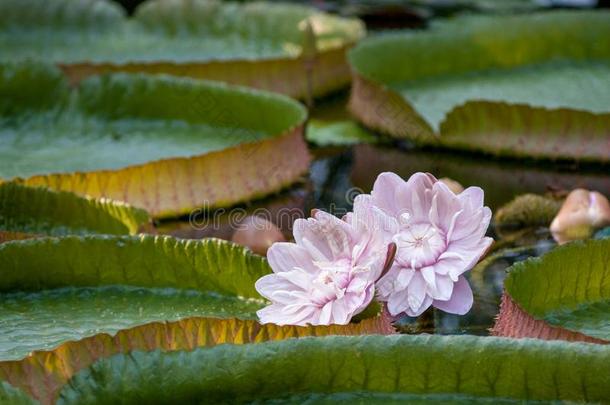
{"x":562,"y":295}
{"x":535,"y":87}
{"x":65,"y":302}
{"x":165,"y":144}
{"x":371,"y":369}
{"x":285,"y":48}
{"x":39,"y":211}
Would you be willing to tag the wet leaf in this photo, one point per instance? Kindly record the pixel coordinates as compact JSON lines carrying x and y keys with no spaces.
{"x":564,"y":294}
{"x":168,"y":145}
{"x":29,"y":211}
{"x":252,"y":44}
{"x":462,"y":85}
{"x":337,"y":133}
{"x":459,"y":369}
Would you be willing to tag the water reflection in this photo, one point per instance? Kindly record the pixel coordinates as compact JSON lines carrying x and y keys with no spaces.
{"x":281,"y":209}
{"x":486,"y":281}
{"x":502,"y":180}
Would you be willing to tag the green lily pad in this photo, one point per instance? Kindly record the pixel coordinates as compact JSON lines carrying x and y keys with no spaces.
{"x":39,"y":211}
{"x":372,"y":368}
{"x":463,"y":85}
{"x":568,"y":288}
{"x":168,"y":145}
{"x":58,"y":290}
{"x":589,"y":319}
{"x":256,"y":44}
{"x":338,"y":133}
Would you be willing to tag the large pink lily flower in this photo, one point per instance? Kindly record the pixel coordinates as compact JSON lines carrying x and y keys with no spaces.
{"x":329,"y":274}
{"x":440,"y":236}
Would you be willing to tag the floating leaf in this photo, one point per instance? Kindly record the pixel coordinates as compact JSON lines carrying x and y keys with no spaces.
{"x":256,"y":44}
{"x":94,"y":296}
{"x":565,"y":294}
{"x":462,"y":85}
{"x":43,"y":373}
{"x":75,"y":287}
{"x":337,"y":133}
{"x":168,"y":145}
{"x":458,"y":369}
{"x":27,"y":211}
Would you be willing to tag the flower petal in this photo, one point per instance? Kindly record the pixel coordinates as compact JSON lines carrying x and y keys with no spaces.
{"x":274,"y":313}
{"x":444,"y":207}
{"x":285,"y":256}
{"x":459,"y":258}
{"x":416,"y":197}
{"x":474,"y":219}
{"x":444,"y":288}
{"x":397,"y":302}
{"x":341,"y":314}
{"x":425,"y":305}
{"x":403,"y":278}
{"x":429,"y":277}
{"x":325,"y":237}
{"x":384,"y":192}
{"x":417,"y":293}
{"x":460,"y":301}
{"x":299,"y":279}
{"x":473,"y":196}
{"x":271,"y":284}
{"x":325,"y":314}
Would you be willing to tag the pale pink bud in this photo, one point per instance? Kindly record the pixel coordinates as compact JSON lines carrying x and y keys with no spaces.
{"x":581,"y":213}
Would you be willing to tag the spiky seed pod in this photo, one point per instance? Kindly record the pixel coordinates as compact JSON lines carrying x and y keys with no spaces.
{"x":527,"y":210}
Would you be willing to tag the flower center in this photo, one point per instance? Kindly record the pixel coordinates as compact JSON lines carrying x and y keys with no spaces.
{"x":332,"y":280}
{"x":419,"y":245}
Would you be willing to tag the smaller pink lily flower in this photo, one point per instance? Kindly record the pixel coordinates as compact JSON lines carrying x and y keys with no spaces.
{"x":441,"y":235}
{"x":329,"y":274}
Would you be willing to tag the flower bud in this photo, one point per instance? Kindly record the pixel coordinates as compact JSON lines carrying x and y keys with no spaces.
{"x":582,"y":212}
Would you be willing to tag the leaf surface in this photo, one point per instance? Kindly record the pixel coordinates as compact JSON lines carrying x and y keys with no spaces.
{"x":38,"y":211}
{"x":462,"y":85}
{"x":168,"y":145}
{"x":251,"y":44}
{"x":568,"y":288}
{"x":455,"y":368}
{"x":70,"y":288}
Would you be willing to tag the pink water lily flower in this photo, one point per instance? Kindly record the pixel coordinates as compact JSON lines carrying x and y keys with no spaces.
{"x":440,"y":236}
{"x":329,"y":274}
